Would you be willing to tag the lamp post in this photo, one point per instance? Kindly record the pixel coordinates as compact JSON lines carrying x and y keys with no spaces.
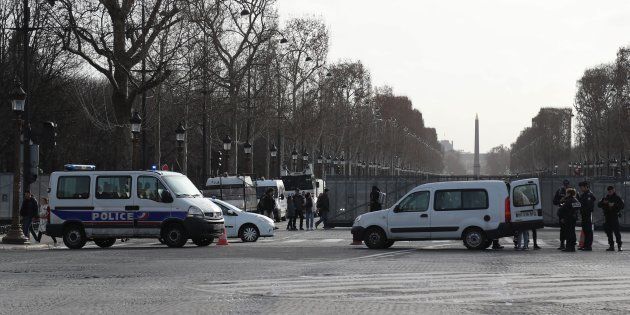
{"x":304,"y":160}
{"x":247,"y":149}
{"x":180,"y":137}
{"x":320,"y":166}
{"x":15,"y":234}
{"x":136,"y":125}
{"x":294,"y":156}
{"x":227,"y":146}
{"x":327,"y":162}
{"x":274,"y":157}
{"x":335,"y":164}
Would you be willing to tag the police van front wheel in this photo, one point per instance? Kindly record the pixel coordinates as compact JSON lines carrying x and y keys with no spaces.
{"x":105,"y":243}
{"x":74,"y":237}
{"x":174,"y":235}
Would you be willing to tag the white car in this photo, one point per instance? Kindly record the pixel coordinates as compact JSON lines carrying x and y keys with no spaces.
{"x":245,"y":225}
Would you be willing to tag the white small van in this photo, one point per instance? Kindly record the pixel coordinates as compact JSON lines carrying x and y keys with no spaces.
{"x":279,"y":194}
{"x":102,"y":206}
{"x":473,"y":211}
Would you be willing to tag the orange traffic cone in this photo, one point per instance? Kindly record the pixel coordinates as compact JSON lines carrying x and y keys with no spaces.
{"x":223,"y":238}
{"x":581,"y":243}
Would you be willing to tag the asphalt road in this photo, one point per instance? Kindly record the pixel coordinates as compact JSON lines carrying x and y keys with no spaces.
{"x":315,"y":272}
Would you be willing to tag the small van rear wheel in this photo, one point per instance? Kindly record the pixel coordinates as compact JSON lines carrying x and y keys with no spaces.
{"x":105,"y":243}
{"x":74,"y":237}
{"x":375,"y":238}
{"x":174,"y":235}
{"x":474,"y":238}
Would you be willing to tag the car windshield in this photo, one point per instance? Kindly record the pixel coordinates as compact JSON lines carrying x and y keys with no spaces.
{"x":301,"y":182}
{"x":182,"y":187}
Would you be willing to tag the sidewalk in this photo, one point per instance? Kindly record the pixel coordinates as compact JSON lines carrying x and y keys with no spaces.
{"x":46,"y":243}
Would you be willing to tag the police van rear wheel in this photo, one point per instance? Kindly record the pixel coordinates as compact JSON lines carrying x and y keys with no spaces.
{"x":203,"y":242}
{"x":174,"y":236}
{"x":105,"y":243}
{"x":74,"y":237}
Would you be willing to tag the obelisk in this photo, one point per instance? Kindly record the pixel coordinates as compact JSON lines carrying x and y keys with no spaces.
{"x":476,"y":165}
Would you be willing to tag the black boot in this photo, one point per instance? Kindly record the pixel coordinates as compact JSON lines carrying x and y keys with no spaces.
{"x":619,"y":247}
{"x":611,"y":248}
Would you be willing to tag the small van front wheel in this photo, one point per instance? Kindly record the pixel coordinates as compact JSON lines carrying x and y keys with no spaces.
{"x":174,"y":235}
{"x":375,"y":238}
{"x":474,"y":238}
{"x":74,"y":237}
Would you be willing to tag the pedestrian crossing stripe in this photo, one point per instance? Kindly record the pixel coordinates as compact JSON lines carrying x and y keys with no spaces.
{"x":463,"y":288}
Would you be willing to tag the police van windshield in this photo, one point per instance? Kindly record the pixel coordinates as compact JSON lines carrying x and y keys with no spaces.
{"x":182,"y":187}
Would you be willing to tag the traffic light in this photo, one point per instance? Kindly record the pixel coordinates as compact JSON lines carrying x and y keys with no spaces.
{"x":33,"y":165}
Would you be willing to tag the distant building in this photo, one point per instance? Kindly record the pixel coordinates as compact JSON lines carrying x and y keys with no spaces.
{"x":447,"y":145}
{"x":468,"y":161}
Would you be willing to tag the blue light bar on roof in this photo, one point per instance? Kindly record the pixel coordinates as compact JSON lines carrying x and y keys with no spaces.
{"x":79,"y":167}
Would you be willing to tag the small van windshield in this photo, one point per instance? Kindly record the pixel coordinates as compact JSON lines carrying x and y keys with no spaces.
{"x":182,"y":187}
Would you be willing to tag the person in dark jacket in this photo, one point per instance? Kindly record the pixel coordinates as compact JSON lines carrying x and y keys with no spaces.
{"x":28,"y":211}
{"x":267,"y":203}
{"x":298,"y":202}
{"x":587,"y":199}
{"x":308,"y":211}
{"x":568,"y":213}
{"x":558,"y":199}
{"x":323,"y":207}
{"x":612,"y":206}
{"x":290,"y":214}
{"x":375,"y":199}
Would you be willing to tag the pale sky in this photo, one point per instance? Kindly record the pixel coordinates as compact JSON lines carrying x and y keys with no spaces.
{"x":503,"y":59}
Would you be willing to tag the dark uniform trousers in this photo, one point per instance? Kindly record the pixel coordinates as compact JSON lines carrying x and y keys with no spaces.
{"x":611,"y":226}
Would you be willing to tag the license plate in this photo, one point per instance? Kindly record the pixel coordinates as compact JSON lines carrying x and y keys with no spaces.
{"x":528,"y":213}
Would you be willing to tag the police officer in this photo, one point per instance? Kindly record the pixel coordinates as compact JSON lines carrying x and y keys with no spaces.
{"x":568,"y":213}
{"x":558,"y":199}
{"x":587,"y":199}
{"x":612,"y":206}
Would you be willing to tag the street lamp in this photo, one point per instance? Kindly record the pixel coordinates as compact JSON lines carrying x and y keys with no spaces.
{"x":245,"y":12}
{"x":247,"y":149}
{"x":15,"y":234}
{"x":227,"y":146}
{"x":136,"y":123}
{"x":180,"y":137}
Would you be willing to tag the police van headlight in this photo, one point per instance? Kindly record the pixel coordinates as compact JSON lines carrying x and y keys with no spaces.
{"x":195,"y":212}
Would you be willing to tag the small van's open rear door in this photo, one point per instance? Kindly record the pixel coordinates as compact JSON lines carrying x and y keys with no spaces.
{"x":525,"y":200}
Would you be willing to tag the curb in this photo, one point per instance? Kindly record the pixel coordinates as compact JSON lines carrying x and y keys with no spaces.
{"x":26,"y":247}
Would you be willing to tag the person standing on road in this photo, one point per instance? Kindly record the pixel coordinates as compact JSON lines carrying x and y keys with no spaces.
{"x":28,"y":212}
{"x":323,"y":207}
{"x":558,"y":199}
{"x":308,"y":211}
{"x":298,"y":202}
{"x":375,"y":199}
{"x":568,"y":217}
{"x":587,"y":199}
{"x":290,"y":213}
{"x":522,"y":240}
{"x":612,"y":206}
{"x":268,"y":204}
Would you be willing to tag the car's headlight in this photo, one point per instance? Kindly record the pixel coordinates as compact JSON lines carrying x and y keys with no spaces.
{"x":195,"y":212}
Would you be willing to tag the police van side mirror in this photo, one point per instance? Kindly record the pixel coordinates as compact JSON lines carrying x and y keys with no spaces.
{"x":167,"y":197}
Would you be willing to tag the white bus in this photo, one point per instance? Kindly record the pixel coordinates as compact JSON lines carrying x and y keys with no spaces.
{"x":235,"y":190}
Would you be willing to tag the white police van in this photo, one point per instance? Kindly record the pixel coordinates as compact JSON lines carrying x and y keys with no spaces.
{"x":102,"y":206}
{"x":474,"y":211}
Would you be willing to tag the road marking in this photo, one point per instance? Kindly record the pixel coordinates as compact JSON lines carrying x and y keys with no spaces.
{"x":332,"y":240}
{"x":294,"y":241}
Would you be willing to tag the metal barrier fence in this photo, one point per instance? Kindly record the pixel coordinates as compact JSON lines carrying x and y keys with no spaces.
{"x":39,"y":189}
{"x":349,"y":196}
